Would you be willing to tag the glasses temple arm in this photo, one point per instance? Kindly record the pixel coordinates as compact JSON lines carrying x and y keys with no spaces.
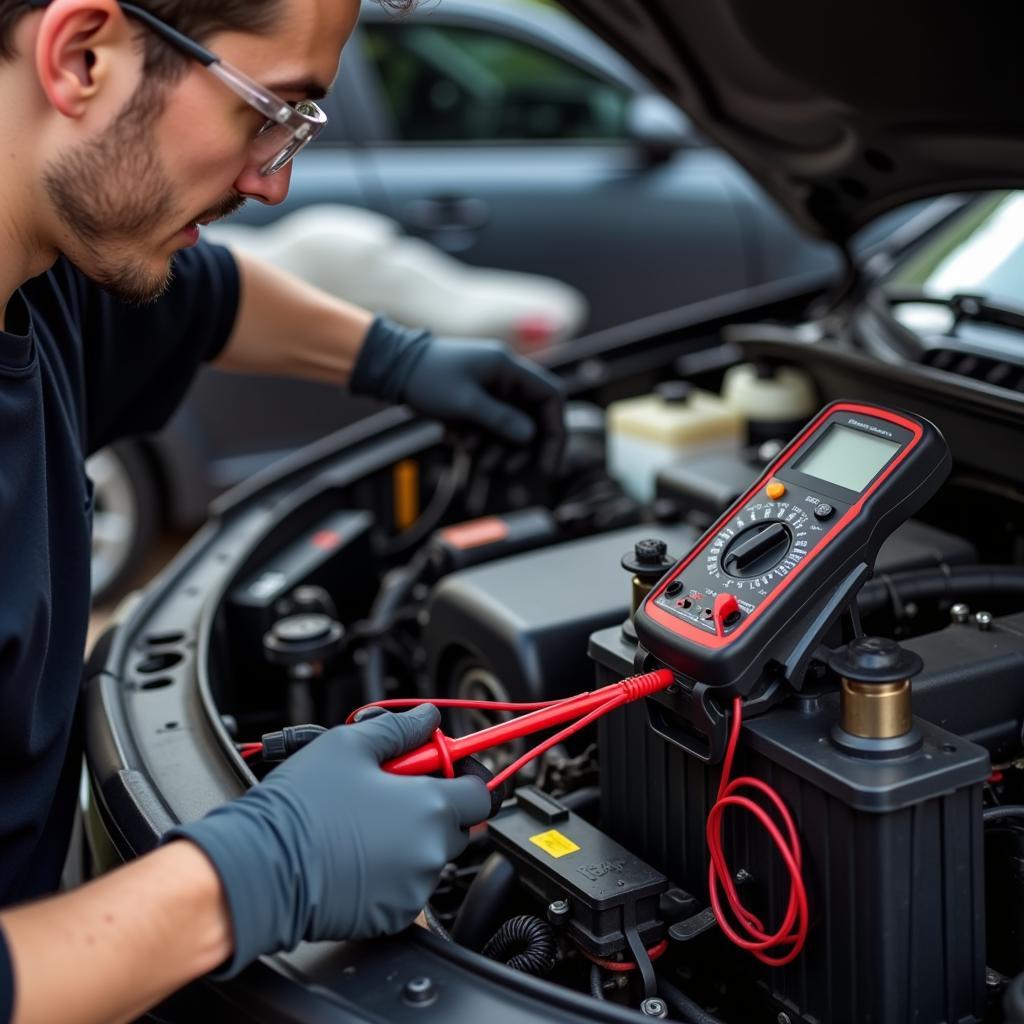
{"x":171,"y":35}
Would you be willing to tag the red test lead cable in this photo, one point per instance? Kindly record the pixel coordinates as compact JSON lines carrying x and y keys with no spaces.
{"x":791,"y":935}
{"x":443,"y":751}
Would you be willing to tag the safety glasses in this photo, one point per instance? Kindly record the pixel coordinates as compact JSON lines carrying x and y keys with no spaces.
{"x":289,"y":127}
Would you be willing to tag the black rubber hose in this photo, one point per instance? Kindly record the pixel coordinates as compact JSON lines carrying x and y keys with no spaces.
{"x":582,"y":801}
{"x":949,"y":582}
{"x":596,"y":983}
{"x":1002,"y":811}
{"x":489,"y":892}
{"x":394,"y":592}
{"x":524,"y":943}
{"x":687,"y":1009}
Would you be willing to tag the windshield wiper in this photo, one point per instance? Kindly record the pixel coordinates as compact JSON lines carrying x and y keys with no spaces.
{"x":966,"y":308}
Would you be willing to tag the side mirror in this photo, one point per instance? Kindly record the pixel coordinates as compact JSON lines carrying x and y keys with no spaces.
{"x":657,"y":125}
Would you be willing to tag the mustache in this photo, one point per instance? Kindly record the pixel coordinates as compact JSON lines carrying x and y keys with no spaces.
{"x":225,"y":208}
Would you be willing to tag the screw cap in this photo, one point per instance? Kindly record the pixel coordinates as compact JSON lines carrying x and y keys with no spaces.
{"x":875,"y":659}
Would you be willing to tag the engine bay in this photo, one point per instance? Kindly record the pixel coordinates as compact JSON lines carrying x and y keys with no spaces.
{"x":395,"y":562}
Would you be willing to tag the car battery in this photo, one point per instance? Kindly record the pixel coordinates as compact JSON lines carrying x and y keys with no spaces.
{"x":559,"y":856}
{"x":506,"y":618}
{"x":892,"y":850}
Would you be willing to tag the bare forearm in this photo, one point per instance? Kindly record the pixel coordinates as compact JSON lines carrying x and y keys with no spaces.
{"x":288,"y":328}
{"x":117,"y":946}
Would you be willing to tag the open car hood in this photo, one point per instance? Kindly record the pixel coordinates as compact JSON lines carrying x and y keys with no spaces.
{"x":840,"y":110}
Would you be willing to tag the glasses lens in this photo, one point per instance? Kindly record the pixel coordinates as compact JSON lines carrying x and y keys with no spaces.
{"x":277,"y":144}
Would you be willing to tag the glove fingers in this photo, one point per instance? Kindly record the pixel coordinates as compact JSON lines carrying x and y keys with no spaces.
{"x":365,"y":714}
{"x":470,"y":798}
{"x":502,"y":419}
{"x":552,"y":449}
{"x":537,"y":388}
{"x":389,"y":735}
{"x":533,"y":383}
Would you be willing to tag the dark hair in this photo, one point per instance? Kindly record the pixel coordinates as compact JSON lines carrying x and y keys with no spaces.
{"x":196,"y":18}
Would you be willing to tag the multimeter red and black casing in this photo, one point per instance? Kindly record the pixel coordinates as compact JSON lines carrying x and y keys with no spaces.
{"x":773,"y":575}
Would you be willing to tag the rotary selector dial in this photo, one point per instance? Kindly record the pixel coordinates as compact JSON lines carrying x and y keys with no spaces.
{"x":764,"y":543}
{"x":756,"y":550}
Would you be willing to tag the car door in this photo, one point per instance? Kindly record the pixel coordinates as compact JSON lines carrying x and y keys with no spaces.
{"x":504,"y":137}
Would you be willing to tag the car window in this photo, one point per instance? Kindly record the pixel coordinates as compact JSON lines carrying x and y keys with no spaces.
{"x":980,"y":252}
{"x":457,"y":84}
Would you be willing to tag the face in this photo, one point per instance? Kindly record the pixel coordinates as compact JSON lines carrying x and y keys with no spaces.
{"x":178,"y":156}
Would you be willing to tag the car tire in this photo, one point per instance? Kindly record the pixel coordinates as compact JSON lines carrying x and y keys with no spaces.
{"x":126,"y":517}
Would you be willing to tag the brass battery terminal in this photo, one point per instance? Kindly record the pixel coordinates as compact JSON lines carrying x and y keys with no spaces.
{"x":876,"y":715}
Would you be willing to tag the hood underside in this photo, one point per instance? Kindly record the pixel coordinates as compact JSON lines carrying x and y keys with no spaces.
{"x":841,"y":111}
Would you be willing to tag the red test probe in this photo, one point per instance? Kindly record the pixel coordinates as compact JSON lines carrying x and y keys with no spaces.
{"x":441,"y":754}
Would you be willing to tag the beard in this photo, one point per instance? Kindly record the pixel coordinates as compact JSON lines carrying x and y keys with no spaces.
{"x":114,"y":198}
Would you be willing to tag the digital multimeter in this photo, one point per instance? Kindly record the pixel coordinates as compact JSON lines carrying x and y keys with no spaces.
{"x":764,"y":586}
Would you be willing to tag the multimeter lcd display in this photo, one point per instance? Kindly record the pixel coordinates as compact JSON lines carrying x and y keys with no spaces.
{"x":849,"y":458}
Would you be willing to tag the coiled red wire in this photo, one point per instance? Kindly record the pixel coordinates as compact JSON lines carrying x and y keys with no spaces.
{"x":751,"y":933}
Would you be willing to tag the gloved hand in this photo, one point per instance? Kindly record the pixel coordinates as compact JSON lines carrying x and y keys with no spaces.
{"x":463,"y":380}
{"x":329,"y":846}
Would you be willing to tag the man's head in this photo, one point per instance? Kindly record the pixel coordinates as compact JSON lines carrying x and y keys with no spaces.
{"x":130,"y":142}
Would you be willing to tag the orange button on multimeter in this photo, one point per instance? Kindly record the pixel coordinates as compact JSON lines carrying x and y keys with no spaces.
{"x":780,"y":577}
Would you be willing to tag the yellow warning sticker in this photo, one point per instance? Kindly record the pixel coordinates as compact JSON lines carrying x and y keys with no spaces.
{"x":555,"y":843}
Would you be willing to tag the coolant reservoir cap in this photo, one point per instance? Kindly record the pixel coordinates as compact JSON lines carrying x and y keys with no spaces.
{"x":674,"y":392}
{"x":769,"y":392}
{"x":306,"y":636}
{"x":875,"y":659}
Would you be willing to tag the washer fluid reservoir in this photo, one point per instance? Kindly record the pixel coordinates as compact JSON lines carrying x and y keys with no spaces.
{"x":649,"y":433}
{"x":776,"y":401}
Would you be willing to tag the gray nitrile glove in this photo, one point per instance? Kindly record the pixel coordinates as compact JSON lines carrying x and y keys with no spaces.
{"x":329,"y":846}
{"x":464,"y":381}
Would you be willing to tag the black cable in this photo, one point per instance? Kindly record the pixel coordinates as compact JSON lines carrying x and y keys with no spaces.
{"x":451,"y":484}
{"x":991,"y":814}
{"x":941,"y":583}
{"x":394,"y":591}
{"x":493,"y":888}
{"x":689,"y":1011}
{"x":638,"y":950}
{"x":524,"y":943}
{"x":596,"y":983}
{"x":434,"y":923}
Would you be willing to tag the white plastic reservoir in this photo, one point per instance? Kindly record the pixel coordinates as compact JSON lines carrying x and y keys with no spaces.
{"x":648,"y":433}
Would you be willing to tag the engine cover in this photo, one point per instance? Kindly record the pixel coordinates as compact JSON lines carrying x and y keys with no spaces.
{"x":525,"y":620}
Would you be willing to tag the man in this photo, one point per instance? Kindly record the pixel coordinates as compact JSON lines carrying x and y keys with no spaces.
{"x":125,"y":127}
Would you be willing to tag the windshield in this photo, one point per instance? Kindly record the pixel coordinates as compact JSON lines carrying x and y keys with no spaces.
{"x":980,"y":252}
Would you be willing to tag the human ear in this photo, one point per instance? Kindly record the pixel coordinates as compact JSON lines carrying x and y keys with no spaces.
{"x":74,"y":50}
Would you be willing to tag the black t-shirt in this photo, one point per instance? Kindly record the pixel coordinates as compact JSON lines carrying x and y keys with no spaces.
{"x":78,"y":370}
